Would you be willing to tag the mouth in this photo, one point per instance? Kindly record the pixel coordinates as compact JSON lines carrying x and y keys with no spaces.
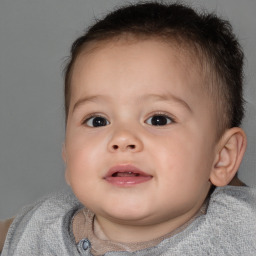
{"x":126,"y":175}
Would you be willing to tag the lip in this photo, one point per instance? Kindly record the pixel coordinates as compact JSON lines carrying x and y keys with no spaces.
{"x":126,"y":175}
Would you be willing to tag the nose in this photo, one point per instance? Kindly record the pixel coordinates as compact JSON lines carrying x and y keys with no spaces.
{"x":125,"y":141}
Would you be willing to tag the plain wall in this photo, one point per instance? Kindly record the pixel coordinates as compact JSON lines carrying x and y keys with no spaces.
{"x":35,"y":38}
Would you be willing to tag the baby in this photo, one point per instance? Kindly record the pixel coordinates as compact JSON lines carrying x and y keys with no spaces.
{"x":153,"y":99}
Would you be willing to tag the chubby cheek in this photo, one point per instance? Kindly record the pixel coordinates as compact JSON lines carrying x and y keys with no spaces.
{"x":83,"y":148}
{"x":81,"y":161}
{"x":183,"y":163}
{"x":82,"y":178}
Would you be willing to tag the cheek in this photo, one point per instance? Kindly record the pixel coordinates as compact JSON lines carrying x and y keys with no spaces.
{"x":82,"y":146}
{"x":77,"y":152}
{"x":85,"y":155}
{"x":183,"y":157}
{"x":81,"y":169}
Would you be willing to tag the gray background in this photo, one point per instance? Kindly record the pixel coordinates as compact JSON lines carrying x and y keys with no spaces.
{"x":35,"y":37}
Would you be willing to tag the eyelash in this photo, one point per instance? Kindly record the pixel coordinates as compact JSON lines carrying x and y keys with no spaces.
{"x":169,"y":120}
{"x":91,"y":117}
{"x":161,"y":114}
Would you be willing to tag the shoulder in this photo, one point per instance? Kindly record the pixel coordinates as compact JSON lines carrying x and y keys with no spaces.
{"x":230,"y":221}
{"x":48,"y":208}
{"x":52,"y":206}
{"x":228,"y":227}
{"x":231,"y":199}
{"x":41,"y":222}
{"x":233,"y":207}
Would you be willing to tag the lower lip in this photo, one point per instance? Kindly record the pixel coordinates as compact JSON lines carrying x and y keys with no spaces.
{"x":128,"y":181}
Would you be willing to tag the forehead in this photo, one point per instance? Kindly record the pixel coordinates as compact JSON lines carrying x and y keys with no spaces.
{"x":146,"y":61}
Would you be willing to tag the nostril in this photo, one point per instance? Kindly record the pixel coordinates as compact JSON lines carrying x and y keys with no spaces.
{"x":115,"y":147}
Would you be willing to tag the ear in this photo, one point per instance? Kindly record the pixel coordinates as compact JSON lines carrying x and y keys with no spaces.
{"x":64,"y":157}
{"x":229,"y":154}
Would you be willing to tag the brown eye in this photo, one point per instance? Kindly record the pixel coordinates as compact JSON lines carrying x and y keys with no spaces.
{"x":159,"y":120}
{"x":97,"y":121}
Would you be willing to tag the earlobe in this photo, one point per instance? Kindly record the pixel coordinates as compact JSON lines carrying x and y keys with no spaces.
{"x":230,"y":151}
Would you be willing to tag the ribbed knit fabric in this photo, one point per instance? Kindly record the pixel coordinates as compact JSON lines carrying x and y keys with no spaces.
{"x":4,"y":226}
{"x":228,"y":228}
{"x":85,"y":226}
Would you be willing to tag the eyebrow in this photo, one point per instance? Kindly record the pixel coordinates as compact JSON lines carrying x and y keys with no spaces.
{"x":84,"y":100}
{"x":160,"y":97}
{"x":167,"y":97}
{"x":90,"y":98}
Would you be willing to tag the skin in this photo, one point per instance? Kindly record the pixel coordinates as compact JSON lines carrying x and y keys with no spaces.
{"x":126,"y":84}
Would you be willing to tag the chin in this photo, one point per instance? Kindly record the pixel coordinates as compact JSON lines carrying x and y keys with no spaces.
{"x":131,"y":215}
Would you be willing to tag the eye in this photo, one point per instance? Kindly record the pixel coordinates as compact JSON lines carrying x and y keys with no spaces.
{"x":159,"y":120}
{"x":96,"y":121}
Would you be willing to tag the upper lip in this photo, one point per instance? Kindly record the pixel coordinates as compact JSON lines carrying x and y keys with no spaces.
{"x":125,"y":168}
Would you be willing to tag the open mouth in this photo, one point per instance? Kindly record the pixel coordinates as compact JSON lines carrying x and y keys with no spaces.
{"x":126,"y":175}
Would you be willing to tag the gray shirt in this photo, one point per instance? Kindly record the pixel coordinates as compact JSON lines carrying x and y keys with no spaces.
{"x":228,"y":228}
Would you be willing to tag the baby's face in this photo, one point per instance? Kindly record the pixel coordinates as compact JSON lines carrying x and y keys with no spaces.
{"x":140,"y":139}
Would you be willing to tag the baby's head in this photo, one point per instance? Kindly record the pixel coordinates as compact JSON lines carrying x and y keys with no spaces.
{"x":207,"y":40}
{"x":153,"y":106}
